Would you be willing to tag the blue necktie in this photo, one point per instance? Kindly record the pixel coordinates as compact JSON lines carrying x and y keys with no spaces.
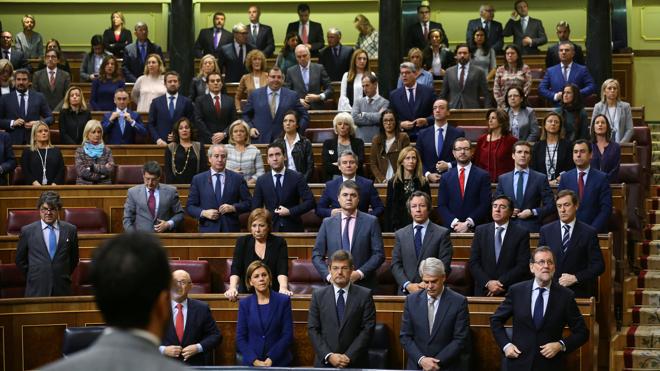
{"x":498,"y":242}
{"x":519,"y":189}
{"x":218,"y":187}
{"x":122,"y":122}
{"x":441,"y":142}
{"x":418,"y":240}
{"x":566,"y":238}
{"x":143,"y":52}
{"x":411,"y":97}
{"x":52,"y":242}
{"x":171,"y":106}
{"x":341,"y":306}
{"x":278,"y":186}
{"x":537,"y":318}
{"x":345,"y":241}
{"x":21,"y":107}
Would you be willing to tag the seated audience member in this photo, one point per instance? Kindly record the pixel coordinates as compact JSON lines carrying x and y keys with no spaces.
{"x":117,"y":265}
{"x":500,"y":251}
{"x":74,"y":115}
{"x":6,"y":77}
{"x":528,"y":33}
{"x":368,"y":36}
{"x":362,"y":237}
{"x":563,"y":34}
{"x":256,"y":76}
{"x":335,"y":58}
{"x":218,"y":196}
{"x":567,"y":72}
{"x":575,"y":244}
{"x":47,"y":250}
{"x":266,"y":106}
{"x":386,"y":146}
{"x":551,"y":155}
{"x":167,"y":109}
{"x":417,"y":33}
{"x":243,"y":157}
{"x":151,"y":84}
{"x":351,"y":81}
{"x":421,"y":75}
{"x":192,"y":335}
{"x":407,"y":180}
{"x":210,"y":40}
{"x":412,"y":102}
{"x":263,"y":246}
{"x":198,"y":86}
{"x":287,"y":56}
{"x":530,"y":191}
{"x":483,"y":56}
{"x":214,"y":112}
{"x":264,"y":330}
{"x":261,"y":35}
{"x":23,"y":108}
{"x":522,"y":119}
{"x":283,"y":192}
{"x":340,"y":337}
{"x":309,"y":80}
{"x":344,"y":141}
{"x":463,"y":86}
{"x":116,"y":37}
{"x":91,"y":69}
{"x":29,"y":41}
{"x":105,"y":86}
{"x":436,"y":57}
{"x":135,"y":54}
{"x":233,"y":55}
{"x":591,"y":186}
{"x":514,"y":72}
{"x":152,"y":207}
{"x":617,"y":111}
{"x":571,"y":109}
{"x":7,"y":159}
{"x":464,"y":191}
{"x":94,"y":162}
{"x":439,"y":339}
{"x":493,"y":28}
{"x":494,"y":149}
{"x":63,"y":64}
{"x":121,"y":125}
{"x":435,"y":143}
{"x":310,"y":32}
{"x":184,"y":156}
{"x":299,"y":156}
{"x":51,"y":81}
{"x":606,"y":152}
{"x":43,"y":163}
{"x":368,"y":110}
{"x":416,"y":241}
{"x":12,"y":54}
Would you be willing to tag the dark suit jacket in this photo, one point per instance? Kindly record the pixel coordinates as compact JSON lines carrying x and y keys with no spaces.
{"x":368,"y":197}
{"x":37,"y":109}
{"x":43,"y":276}
{"x":424,"y":98}
{"x":114,"y":46}
{"x":207,"y":122}
{"x":205,"y":42}
{"x":513,"y":263}
{"x":561,"y":310}
{"x":18,"y":60}
{"x":450,"y":336}
{"x":596,"y":204}
{"x":257,"y":113}
{"x":415,"y":35}
{"x":537,"y":197}
{"x":495,"y":37}
{"x":553,"y":81}
{"x":564,"y":157}
{"x":113,"y":131}
{"x":270,"y":337}
{"x":202,"y":197}
{"x":160,"y":121}
{"x":427,"y":147}
{"x":352,"y":336}
{"x":330,"y":156}
{"x":552,"y":55}
{"x":133,"y":66}
{"x":295,"y":196}
{"x":265,"y":41}
{"x":275,"y":257}
{"x":41,"y":83}
{"x":447,"y":59}
{"x":534,"y":30}
{"x":583,"y":257}
{"x":136,"y":208}
{"x":232,"y":66}
{"x":315,"y":35}
{"x":336,"y":66}
{"x":475,"y":203}
{"x":475,"y":86}
{"x":7,"y":159}
{"x":200,"y":328}
{"x":319,"y":83}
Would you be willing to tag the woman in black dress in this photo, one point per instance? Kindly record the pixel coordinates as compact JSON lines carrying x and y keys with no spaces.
{"x":73,"y":116}
{"x":553,"y":154}
{"x":117,"y":37}
{"x":407,"y":179}
{"x":43,"y":164}
{"x":298,"y":148}
{"x":184,"y":157}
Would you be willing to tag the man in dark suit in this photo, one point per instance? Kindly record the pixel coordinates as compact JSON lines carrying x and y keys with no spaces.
{"x":537,"y":342}
{"x":464,"y":191}
{"x":218,"y":196}
{"x":351,"y":230}
{"x":214,"y":112}
{"x":167,"y":109}
{"x":341,"y":318}
{"x":22,"y":108}
{"x":232,"y":55}
{"x":412,"y":102}
{"x":420,"y":240}
{"x":464,"y":84}
{"x":530,"y":190}
{"x":575,"y":244}
{"x":122,"y":125}
{"x":369,"y":200}
{"x":493,"y":28}
{"x":592,"y":187}
{"x":51,"y":81}
{"x":336,"y":58}
{"x":563,"y":34}
{"x":310,"y":32}
{"x":261,"y":35}
{"x":135,"y":54}
{"x":309,"y":80}
{"x":192,"y":336}
{"x":528,"y":33}
{"x":283,"y":192}
{"x":210,"y":40}
{"x":15,"y":56}
{"x":435,"y":143}
{"x":47,"y":250}
{"x":567,"y":72}
{"x":500,"y":252}
{"x":417,"y":34}
{"x":266,"y":106}
{"x":7,"y":159}
{"x":435,"y":329}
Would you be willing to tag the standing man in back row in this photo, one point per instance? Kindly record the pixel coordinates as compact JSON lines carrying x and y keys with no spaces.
{"x":261,"y":35}
{"x":417,"y":35}
{"x":310,"y":32}
{"x":210,"y":40}
{"x":528,"y":33}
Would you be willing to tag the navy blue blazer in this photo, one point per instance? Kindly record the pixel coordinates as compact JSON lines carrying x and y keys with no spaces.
{"x":427,"y":147}
{"x":609,"y":161}
{"x":113,"y":131}
{"x":7,"y":159}
{"x":260,"y":338}
{"x":537,"y":196}
{"x":133,"y":66}
{"x":160,"y":121}
{"x":37,"y":109}
{"x":368,"y":197}
{"x":583,"y":257}
{"x":596,"y":204}
{"x":200,"y":328}
{"x":475,"y":203}
{"x":296,"y":196}
{"x":257,"y":114}
{"x":495,"y":37}
{"x":233,"y":67}
{"x":553,"y":81}
{"x":202,"y":197}
{"x":424,"y":98}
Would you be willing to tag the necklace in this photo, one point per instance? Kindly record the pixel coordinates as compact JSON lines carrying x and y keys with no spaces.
{"x":43,"y":159}
{"x":551,"y":156}
{"x":185,"y":164}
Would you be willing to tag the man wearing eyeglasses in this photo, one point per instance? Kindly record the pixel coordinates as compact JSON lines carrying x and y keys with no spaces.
{"x":233,"y":55}
{"x":47,"y":250}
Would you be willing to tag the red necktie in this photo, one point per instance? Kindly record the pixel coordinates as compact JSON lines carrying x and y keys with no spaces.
{"x":303,"y":34}
{"x":462,"y":78}
{"x":52,"y":80}
{"x":426,"y":31}
{"x":461,"y":181}
{"x":179,"y":322}
{"x":151,"y":203}
{"x":217,"y":105}
{"x":581,"y":185}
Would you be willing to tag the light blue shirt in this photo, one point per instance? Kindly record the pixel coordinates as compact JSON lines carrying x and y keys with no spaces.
{"x":270,"y":92}
{"x":525,"y":179}
{"x":535,"y":294}
{"x":45,"y":230}
{"x":157,"y":197}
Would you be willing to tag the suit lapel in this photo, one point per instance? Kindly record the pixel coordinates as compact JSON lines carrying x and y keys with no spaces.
{"x":425,"y":244}
{"x":527,"y":304}
{"x":330,"y":301}
{"x":356,"y":228}
{"x":490,"y":242}
{"x":190,"y":320}
{"x":443,"y":307}
{"x":350,"y":305}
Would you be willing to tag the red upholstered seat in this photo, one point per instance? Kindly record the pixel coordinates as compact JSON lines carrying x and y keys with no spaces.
{"x":87,"y":219}
{"x":303,"y":277}
{"x":80,"y":279}
{"x":474,"y":132}
{"x":19,"y":218}
{"x":17,"y":176}
{"x":386,"y":283}
{"x":319,"y":135}
{"x":460,"y":279}
{"x":12,"y":281}
{"x":129,"y":174}
{"x":311,"y":221}
{"x":71,"y":174}
{"x":199,"y":272}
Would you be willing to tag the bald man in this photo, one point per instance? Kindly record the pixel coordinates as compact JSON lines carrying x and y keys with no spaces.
{"x":309,"y":80}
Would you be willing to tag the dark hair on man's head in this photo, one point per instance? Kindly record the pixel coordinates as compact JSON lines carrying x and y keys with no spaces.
{"x":350,"y":184}
{"x":23,"y":71}
{"x":276,"y":145}
{"x":582,"y":141}
{"x":568,"y":192}
{"x":303,"y":7}
{"x":341,"y":256}
{"x":541,"y":249}
{"x":96,"y":40}
{"x":50,"y":198}
{"x":217,"y":14}
{"x":522,"y":143}
{"x":508,"y":199}
{"x":151,"y":167}
{"x":426,"y":196}
{"x":171,"y":73}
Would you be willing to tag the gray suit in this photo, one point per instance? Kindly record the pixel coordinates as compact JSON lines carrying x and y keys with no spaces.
{"x":528,"y":126}
{"x":319,"y":83}
{"x":43,"y":276}
{"x":367,"y":116}
{"x":474,"y":86}
{"x":136,"y":211}
{"x":405,"y":261}
{"x":534,"y":30}
{"x":623,"y":128}
{"x":41,"y":83}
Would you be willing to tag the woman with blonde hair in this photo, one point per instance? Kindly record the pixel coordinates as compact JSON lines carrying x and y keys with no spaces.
{"x":407,"y":179}
{"x":345,"y":140}
{"x":368,"y":38}
{"x":6,"y":77}
{"x":29,"y":41}
{"x":151,"y":85}
{"x":116,"y":37}
{"x":73,"y":116}
{"x":243,"y":157}
{"x":207,"y":64}
{"x":43,"y":163}
{"x":257,"y":76}
{"x":618,"y":112}
{"x":351,"y":81}
{"x":94,"y":162}
{"x":424,"y":77}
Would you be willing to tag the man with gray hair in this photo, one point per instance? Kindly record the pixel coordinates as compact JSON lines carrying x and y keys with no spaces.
{"x":309,"y":80}
{"x":435,"y":328}
{"x":232,"y":56}
{"x":412,"y":102}
{"x":135,"y":54}
{"x":492,"y":28}
{"x":336,"y":58}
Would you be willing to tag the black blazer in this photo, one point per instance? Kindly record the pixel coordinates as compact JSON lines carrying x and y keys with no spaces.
{"x":32,"y":168}
{"x":336,"y":66}
{"x":315,"y":35}
{"x":265,"y":41}
{"x":302,"y":155}
{"x":446,"y":58}
{"x":415,"y":35}
{"x":197,"y":88}
{"x":72,"y":124}
{"x":7,"y":159}
{"x":276,"y":258}
{"x":552,"y":55}
{"x":233,"y":67}
{"x":37,"y":109}
{"x":495,"y":37}
{"x":114,"y":46}
{"x":205,"y":43}
{"x":330,"y":156}
{"x":564,"y":157}
{"x":295,"y":196}
{"x":207,"y":121}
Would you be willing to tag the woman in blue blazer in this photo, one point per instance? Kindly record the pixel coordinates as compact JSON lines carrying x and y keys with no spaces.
{"x":264,"y":332}
{"x":606,"y":152}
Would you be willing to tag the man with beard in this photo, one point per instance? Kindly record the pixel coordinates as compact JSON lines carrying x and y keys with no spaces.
{"x":22,"y":108}
{"x":168,"y":109}
{"x":464,"y":84}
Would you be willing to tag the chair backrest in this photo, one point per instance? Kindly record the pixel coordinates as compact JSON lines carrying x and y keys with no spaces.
{"x":303,"y":277}
{"x":386,"y":283}
{"x":129,"y":174}
{"x":17,"y":176}
{"x":460,"y":279}
{"x":631,"y":174}
{"x":319,"y":135}
{"x":474,"y":132}
{"x":12,"y":281}
{"x":79,"y":338}
{"x":17,"y":219}
{"x":71,"y":174}
{"x":88,"y":220}
{"x":199,"y":271}
{"x":81,"y":283}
